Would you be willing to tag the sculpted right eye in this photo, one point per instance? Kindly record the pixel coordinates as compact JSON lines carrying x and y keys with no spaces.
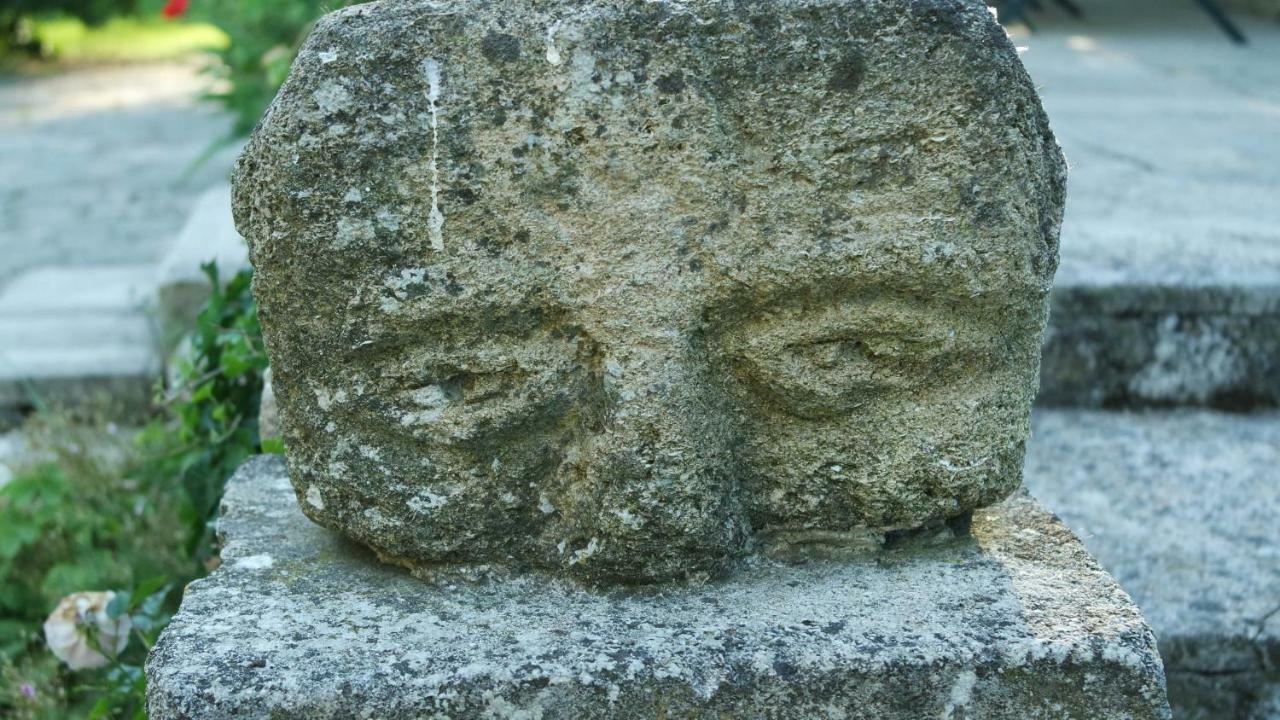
{"x":450,"y":387}
{"x":827,"y":361}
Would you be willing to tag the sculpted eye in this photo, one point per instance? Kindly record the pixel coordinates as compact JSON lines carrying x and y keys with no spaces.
{"x":451,"y":387}
{"x":453,"y":393}
{"x":865,"y":351}
{"x":446,"y":378}
{"x":827,"y":361}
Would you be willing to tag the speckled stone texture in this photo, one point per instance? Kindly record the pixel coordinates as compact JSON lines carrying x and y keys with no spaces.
{"x":1181,"y":507}
{"x":632,"y":290}
{"x":1012,"y":620}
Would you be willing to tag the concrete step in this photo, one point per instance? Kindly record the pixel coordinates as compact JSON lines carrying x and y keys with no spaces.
{"x":1169,"y":286}
{"x":73,"y":335}
{"x":69,"y":336}
{"x":1127,"y":345}
{"x":1183,"y":508}
{"x":208,"y":235}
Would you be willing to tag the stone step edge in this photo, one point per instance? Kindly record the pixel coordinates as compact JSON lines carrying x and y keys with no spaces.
{"x":1134,"y":345}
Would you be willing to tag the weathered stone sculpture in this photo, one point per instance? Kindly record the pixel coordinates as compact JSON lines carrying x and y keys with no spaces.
{"x":629,"y":291}
{"x":632,"y":289}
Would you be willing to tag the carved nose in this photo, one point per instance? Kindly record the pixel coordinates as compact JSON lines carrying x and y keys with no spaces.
{"x":657,"y":483}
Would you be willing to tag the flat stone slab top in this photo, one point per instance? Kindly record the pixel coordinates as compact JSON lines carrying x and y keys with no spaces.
{"x":1170,"y":132}
{"x":1012,"y":620}
{"x":1182,"y":508}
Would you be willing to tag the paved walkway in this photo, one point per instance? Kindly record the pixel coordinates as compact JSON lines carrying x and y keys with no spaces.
{"x":96,"y":164}
{"x":1173,"y":138}
{"x":1172,"y":132}
{"x":98,"y":173}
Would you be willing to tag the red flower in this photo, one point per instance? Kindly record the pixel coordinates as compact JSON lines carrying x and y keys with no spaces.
{"x":175,"y":8}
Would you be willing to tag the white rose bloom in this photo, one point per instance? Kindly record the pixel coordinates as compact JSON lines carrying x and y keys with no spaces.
{"x":67,"y":630}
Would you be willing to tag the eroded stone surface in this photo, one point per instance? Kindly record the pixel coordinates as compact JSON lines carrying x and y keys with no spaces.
{"x":1011,"y":621}
{"x":629,"y":289}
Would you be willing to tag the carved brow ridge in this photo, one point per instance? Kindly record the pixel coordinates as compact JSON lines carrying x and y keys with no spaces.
{"x":824,"y":295}
{"x":413,"y":322}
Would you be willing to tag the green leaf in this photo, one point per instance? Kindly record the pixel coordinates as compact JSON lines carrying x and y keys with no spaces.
{"x":119,"y":604}
{"x":151,"y":587}
{"x":203,"y":393}
{"x":15,"y":636}
{"x":151,"y":606}
{"x":102,"y":708}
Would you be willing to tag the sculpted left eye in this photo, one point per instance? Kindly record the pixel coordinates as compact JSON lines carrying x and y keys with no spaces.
{"x":832,"y":359}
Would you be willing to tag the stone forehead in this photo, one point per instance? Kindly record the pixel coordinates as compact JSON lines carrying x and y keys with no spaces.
{"x":615,"y":135}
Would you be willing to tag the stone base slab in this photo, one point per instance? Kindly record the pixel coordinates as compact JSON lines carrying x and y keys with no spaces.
{"x":1013,"y":620}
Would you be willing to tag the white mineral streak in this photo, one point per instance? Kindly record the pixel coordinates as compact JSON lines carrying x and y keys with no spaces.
{"x":553,"y":53}
{"x":961,"y":694}
{"x":435,"y":223}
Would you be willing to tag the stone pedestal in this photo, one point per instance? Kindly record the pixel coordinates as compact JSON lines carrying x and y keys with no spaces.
{"x":1012,"y":620}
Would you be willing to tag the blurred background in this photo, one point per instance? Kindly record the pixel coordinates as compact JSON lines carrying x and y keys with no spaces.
{"x":132,"y":370}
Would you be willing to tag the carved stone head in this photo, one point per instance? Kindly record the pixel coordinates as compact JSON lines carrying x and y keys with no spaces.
{"x":632,"y":289}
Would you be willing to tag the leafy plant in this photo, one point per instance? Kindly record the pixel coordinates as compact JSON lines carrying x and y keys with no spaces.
{"x":213,"y":406}
{"x":265,"y":37}
{"x":107,"y":510}
{"x":62,"y":531}
{"x":83,"y":519}
{"x":122,"y":692}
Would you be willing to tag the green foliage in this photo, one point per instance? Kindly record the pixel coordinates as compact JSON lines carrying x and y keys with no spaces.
{"x":265,"y":37}
{"x":121,"y":691}
{"x":92,"y":12}
{"x":67,"y":526}
{"x":99,"y":31}
{"x":105,"y":510}
{"x":16,"y":15}
{"x":214,"y":406}
{"x":123,"y":39}
{"x":85,"y":519}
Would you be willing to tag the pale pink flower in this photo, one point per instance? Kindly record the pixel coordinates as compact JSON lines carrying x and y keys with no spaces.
{"x":68,"y":627}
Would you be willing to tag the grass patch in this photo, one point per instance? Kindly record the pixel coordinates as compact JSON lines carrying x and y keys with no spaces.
{"x":124,"y":39}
